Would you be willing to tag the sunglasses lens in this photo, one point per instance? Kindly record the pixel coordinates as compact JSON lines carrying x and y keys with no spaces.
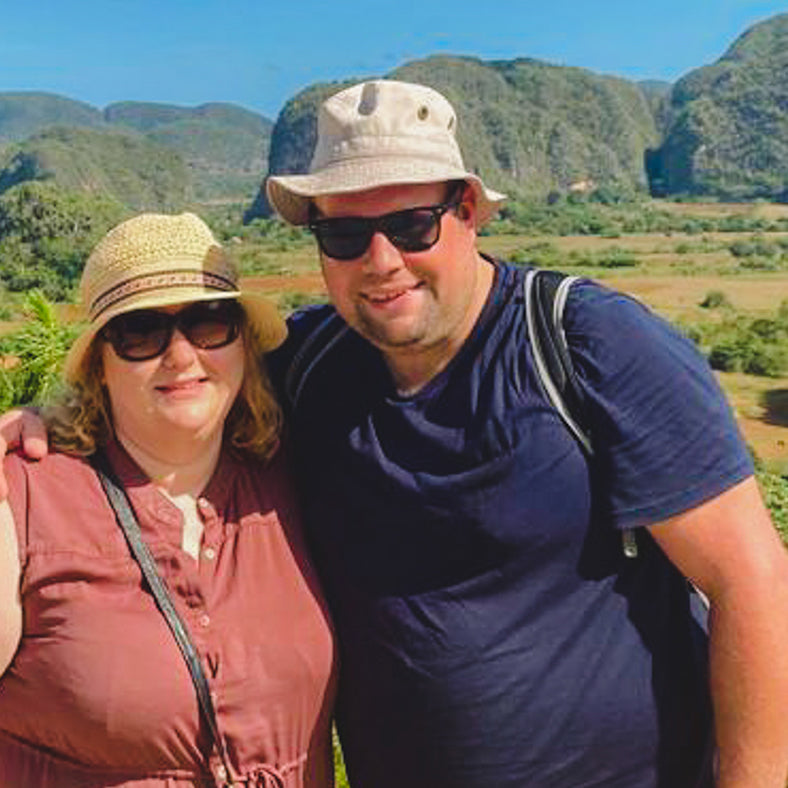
{"x":211,"y":324}
{"x":414,"y":230}
{"x":140,"y":335}
{"x":343,"y":239}
{"x":145,"y":334}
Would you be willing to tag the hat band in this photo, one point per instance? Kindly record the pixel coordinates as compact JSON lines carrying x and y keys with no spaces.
{"x":146,"y":283}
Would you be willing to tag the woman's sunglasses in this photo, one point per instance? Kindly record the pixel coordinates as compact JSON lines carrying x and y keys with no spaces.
{"x":146,"y":333}
{"x":411,"y":230}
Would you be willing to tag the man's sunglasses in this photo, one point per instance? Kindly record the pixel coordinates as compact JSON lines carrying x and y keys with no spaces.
{"x":411,"y":230}
{"x":146,"y":333}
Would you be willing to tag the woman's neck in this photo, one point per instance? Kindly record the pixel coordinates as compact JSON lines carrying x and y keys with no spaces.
{"x":178,"y":473}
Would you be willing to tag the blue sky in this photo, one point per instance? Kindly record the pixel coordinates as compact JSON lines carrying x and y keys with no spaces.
{"x":259,"y":54}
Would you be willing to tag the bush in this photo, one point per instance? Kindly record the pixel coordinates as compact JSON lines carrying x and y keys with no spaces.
{"x":542,"y":254}
{"x":716,"y":299}
{"x":757,"y":346}
{"x":756,"y":246}
{"x":39,"y":348}
{"x":616,"y":257}
{"x":746,"y":353}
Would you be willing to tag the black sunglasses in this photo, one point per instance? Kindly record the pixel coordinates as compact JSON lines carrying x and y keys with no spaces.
{"x":411,"y":230}
{"x":146,"y":333}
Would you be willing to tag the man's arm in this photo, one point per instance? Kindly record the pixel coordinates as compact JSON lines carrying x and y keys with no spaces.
{"x":21,"y":428}
{"x":730,"y":550}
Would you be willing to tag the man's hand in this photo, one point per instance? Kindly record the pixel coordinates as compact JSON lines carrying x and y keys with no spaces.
{"x":21,"y":428}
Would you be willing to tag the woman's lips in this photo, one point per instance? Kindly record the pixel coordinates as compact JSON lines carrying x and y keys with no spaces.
{"x":181,"y":387}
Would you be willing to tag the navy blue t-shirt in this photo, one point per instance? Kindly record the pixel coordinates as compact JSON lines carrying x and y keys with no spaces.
{"x":492,"y":633}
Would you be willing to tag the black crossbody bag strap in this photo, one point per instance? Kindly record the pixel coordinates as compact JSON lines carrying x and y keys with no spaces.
{"x":131,"y":530}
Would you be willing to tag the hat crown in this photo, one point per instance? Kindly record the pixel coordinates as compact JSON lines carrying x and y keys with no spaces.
{"x":147,"y":247}
{"x":386,"y":118}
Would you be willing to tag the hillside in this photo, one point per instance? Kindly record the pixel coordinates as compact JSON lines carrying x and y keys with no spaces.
{"x":130,"y":169}
{"x":23,"y":114}
{"x":224,"y":146}
{"x":526,"y":127}
{"x":728,"y":133}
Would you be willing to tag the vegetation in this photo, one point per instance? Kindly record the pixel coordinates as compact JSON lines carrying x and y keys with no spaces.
{"x":33,"y":355}
{"x":729,"y":122}
{"x":613,"y":213}
{"x":23,"y":114}
{"x":740,"y":343}
{"x":46,"y":234}
{"x":126,"y":168}
{"x":224,"y":147}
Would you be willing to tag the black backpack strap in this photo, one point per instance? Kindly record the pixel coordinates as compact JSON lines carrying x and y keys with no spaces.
{"x":313,"y":347}
{"x":545,"y":294}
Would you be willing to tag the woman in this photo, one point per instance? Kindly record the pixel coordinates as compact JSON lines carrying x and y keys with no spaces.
{"x":167,"y":386}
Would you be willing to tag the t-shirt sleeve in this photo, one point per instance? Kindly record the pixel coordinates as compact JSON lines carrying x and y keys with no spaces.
{"x":664,"y":436}
{"x":299,"y":325}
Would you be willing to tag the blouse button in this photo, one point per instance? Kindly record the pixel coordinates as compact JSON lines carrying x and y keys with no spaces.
{"x":205,"y":620}
{"x":209,"y":553}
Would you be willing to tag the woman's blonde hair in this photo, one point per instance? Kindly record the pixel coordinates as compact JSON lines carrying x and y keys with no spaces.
{"x":79,"y":421}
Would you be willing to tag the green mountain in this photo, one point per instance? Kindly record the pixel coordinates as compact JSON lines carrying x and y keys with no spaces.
{"x":128,"y":168}
{"x":225,"y":146}
{"x":527,"y":127}
{"x":26,"y":113}
{"x":728,"y":130}
{"x":657,"y":95}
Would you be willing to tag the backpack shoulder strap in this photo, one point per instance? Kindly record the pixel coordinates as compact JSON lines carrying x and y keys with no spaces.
{"x":313,"y":347}
{"x":546,"y":293}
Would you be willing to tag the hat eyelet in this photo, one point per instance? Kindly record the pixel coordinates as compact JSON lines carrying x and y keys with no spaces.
{"x":422,"y":113}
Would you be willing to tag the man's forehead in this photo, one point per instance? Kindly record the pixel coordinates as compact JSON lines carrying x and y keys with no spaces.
{"x":381,"y":199}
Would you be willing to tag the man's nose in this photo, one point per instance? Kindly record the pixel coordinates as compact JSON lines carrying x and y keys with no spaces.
{"x":382,"y":256}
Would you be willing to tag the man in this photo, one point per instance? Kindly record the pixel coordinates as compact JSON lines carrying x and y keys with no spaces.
{"x":492,"y":632}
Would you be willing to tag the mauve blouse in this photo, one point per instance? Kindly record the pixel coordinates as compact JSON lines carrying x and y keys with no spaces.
{"x":98,"y":693}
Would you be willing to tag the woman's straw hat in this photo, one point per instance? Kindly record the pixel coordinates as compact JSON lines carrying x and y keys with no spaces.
{"x":156,"y":260}
{"x":380,"y":133}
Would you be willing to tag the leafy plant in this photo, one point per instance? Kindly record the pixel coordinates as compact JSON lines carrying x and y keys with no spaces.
{"x":33,"y":355}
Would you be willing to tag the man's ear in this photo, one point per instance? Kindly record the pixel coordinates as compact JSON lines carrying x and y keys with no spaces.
{"x":466,"y":210}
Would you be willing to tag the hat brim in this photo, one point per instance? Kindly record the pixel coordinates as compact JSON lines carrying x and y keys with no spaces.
{"x":290,"y":195}
{"x":264,"y":318}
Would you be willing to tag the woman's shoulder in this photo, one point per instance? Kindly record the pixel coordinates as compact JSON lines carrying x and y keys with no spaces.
{"x":57,"y":476}
{"x":54,"y":464}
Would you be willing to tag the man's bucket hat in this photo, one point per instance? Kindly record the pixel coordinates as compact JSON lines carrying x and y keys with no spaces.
{"x":380,"y":133}
{"x":156,"y":260}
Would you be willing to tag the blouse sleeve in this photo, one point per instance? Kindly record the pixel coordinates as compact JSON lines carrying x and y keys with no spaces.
{"x":16,"y":477}
{"x":665,"y":439}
